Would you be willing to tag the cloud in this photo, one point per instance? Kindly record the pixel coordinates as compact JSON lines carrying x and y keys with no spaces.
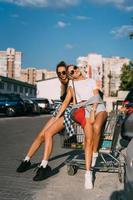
{"x":121,"y":4}
{"x":82,"y":17}
{"x":61,"y":24}
{"x":43,"y":3}
{"x":123,"y":31}
{"x":69,"y":46}
{"x":15,"y":16}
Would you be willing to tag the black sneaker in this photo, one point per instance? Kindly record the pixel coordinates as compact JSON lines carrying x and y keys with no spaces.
{"x":42,"y":173}
{"x":24,"y":166}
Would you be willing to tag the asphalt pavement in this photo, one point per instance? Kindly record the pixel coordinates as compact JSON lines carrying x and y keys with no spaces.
{"x":16,"y":135}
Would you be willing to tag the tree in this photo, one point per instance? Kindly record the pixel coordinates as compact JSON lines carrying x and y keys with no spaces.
{"x":131,"y":33}
{"x":126,"y":77}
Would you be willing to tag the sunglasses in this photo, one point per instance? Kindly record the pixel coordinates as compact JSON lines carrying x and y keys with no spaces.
{"x":73,"y":70}
{"x":61,"y":73}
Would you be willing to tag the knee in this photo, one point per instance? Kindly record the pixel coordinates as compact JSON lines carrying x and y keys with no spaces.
{"x":97,"y":128}
{"x":41,"y":137}
{"x":47,"y":136}
{"x":88,"y":142}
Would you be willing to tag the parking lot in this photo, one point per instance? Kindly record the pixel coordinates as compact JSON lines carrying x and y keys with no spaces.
{"x":15,"y":138}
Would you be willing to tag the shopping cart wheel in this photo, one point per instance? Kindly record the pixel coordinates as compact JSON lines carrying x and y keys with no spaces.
{"x":71,"y":170}
{"x":121,"y":173}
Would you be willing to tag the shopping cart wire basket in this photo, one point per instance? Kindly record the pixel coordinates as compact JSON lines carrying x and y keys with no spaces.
{"x":109,"y":159}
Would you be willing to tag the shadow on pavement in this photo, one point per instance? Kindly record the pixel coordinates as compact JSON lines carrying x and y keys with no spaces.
{"x":125,"y":194}
{"x":56,"y":170}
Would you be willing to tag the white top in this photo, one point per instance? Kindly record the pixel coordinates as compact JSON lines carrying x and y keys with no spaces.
{"x":84,"y":89}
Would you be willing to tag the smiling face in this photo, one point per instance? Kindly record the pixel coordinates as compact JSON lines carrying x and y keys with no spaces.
{"x":73,"y":72}
{"x":61,"y":72}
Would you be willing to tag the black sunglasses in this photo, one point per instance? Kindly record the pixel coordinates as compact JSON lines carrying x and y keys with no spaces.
{"x":73,"y":70}
{"x":61,"y":73}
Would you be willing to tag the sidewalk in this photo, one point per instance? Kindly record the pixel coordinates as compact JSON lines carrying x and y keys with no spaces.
{"x":65,"y":187}
{"x":15,"y":139}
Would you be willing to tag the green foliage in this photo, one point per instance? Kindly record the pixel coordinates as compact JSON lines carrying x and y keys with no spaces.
{"x":126,"y":77}
{"x":131,"y":33}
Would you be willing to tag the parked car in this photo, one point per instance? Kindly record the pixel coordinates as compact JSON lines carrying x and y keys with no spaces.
{"x":11,"y":104}
{"x":31,"y":106}
{"x":55,"y":103}
{"x":43,"y":104}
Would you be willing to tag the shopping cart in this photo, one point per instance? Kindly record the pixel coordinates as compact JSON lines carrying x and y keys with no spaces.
{"x":110,"y":157}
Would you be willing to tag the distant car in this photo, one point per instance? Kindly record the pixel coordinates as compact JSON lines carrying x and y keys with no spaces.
{"x":11,"y":104}
{"x":56,"y":102}
{"x":44,"y":105}
{"x":31,"y":106}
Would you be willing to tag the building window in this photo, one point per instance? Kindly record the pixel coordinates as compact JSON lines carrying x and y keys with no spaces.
{"x":30,"y":90}
{"x":35,"y":92}
{"x":9,"y":86}
{"x":26,"y":90}
{"x":43,"y":76}
{"x":21,"y":89}
{"x":1,"y":85}
{"x":15,"y":88}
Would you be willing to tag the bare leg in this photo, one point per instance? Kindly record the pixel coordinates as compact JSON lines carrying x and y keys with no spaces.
{"x":88,"y":143}
{"x":50,"y":132}
{"x":97,"y":126}
{"x":25,"y":165}
{"x":44,"y":170}
{"x":39,"y":139}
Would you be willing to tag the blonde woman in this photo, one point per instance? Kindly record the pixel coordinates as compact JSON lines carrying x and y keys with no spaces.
{"x":95,"y":116}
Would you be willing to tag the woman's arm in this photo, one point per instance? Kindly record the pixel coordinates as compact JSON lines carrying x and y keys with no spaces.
{"x":94,"y":107}
{"x":65,"y":103}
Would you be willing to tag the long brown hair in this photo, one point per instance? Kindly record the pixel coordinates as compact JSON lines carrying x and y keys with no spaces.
{"x":64,"y":83}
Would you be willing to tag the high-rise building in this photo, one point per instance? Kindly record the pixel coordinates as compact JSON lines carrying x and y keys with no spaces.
{"x":28,"y":75}
{"x":32,"y":75}
{"x":112,"y":71}
{"x":105,"y":70}
{"x":10,"y":63}
{"x":3,"y":63}
{"x":92,"y":66}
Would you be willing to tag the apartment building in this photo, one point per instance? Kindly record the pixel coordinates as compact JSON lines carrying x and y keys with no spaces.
{"x":92,"y":67}
{"x":105,"y":70}
{"x":32,"y":75}
{"x":10,"y":63}
{"x":9,"y":85}
{"x":112,"y":70}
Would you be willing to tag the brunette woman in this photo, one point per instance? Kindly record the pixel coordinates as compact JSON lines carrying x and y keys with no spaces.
{"x":52,"y":124}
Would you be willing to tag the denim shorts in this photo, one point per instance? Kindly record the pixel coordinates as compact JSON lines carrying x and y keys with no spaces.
{"x":100,"y":108}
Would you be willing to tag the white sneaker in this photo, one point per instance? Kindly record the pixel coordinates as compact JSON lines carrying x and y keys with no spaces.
{"x":94,"y":159}
{"x":88,"y":181}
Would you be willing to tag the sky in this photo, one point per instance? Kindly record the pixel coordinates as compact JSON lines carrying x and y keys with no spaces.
{"x":48,"y":31}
